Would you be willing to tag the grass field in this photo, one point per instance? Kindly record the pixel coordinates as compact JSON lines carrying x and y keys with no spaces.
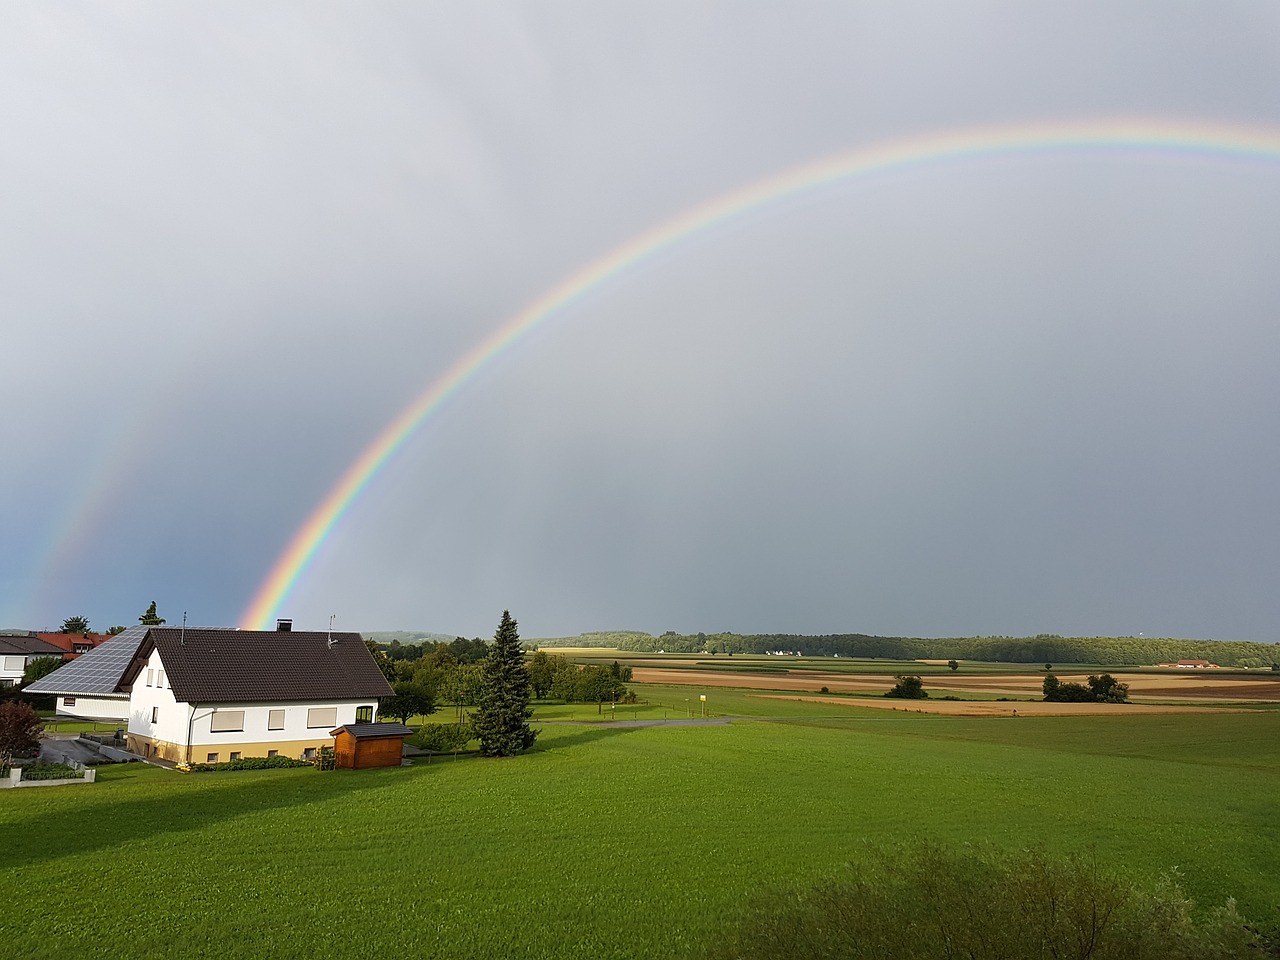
{"x":618,"y":841}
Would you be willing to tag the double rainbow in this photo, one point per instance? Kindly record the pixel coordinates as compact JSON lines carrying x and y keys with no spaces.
{"x":1187,"y":140}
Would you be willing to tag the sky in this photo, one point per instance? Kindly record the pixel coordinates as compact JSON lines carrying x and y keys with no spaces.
{"x":1009,"y":394}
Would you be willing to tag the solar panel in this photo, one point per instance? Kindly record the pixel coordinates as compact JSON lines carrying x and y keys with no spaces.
{"x":96,"y":672}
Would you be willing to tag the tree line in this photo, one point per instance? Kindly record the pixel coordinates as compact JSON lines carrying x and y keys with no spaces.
{"x":428,"y":675}
{"x":1043,"y":648}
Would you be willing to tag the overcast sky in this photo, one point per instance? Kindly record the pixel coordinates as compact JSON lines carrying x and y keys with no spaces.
{"x":1004,"y":396}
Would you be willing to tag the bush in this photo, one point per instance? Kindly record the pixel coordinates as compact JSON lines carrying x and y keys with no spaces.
{"x":50,"y":771}
{"x":445,"y":737}
{"x":927,"y":902}
{"x":909,"y":688}
{"x":250,"y":763}
{"x":1103,"y":689}
{"x":20,"y":730}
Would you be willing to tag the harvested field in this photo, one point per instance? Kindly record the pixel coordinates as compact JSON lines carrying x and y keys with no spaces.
{"x":1151,"y":686}
{"x":1002,"y":708}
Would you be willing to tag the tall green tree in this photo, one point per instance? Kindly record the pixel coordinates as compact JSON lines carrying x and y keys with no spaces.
{"x":40,"y":667}
{"x":502,"y":715}
{"x":151,"y":618}
{"x":75,"y":625}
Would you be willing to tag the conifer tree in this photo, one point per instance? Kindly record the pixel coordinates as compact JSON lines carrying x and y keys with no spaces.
{"x":151,"y":618}
{"x":502,"y":718}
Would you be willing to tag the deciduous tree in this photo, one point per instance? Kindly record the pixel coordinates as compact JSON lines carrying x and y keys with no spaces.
{"x":502,"y":719}
{"x":909,"y":688}
{"x":40,"y":667}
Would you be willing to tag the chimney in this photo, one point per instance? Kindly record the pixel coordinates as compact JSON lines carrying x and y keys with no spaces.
{"x":284,"y":626}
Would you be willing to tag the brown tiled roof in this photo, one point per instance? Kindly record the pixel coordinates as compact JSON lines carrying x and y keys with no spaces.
{"x":28,"y":646}
{"x":255,"y":666}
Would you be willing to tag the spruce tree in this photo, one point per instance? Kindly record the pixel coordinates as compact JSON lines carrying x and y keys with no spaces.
{"x":502,"y":716}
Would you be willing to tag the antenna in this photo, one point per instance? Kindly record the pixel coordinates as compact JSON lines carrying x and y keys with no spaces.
{"x":182,"y":637}
{"x":331,"y":618}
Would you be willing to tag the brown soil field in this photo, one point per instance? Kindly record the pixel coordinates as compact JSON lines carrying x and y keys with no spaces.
{"x":1156,"y":686}
{"x":1003,"y":708}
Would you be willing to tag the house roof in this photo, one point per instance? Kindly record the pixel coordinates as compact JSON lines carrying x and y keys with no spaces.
{"x":27,"y":646}
{"x":68,"y":642}
{"x":253,"y":666}
{"x":373,"y":731}
{"x":96,"y":673}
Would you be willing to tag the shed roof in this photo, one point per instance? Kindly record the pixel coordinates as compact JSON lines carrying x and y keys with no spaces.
{"x":373,"y":731}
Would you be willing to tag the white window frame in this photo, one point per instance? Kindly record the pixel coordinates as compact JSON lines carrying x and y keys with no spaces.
{"x":275,"y":719}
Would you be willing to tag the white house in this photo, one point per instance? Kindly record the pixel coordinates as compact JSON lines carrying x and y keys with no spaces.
{"x":17,"y":652}
{"x":202,"y":695}
{"x":89,"y":686}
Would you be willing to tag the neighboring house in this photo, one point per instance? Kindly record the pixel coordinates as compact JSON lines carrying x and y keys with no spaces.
{"x":74,"y":644}
{"x":17,"y":652}
{"x":203,"y":695}
{"x":89,"y":686}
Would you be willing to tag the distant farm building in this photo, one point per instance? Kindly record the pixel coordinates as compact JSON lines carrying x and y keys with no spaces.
{"x":1193,"y":665}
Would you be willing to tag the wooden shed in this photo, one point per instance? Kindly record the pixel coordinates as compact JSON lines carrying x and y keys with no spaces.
{"x":362,"y":745}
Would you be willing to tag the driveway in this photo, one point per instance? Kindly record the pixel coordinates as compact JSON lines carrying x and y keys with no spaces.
{"x":65,"y":748}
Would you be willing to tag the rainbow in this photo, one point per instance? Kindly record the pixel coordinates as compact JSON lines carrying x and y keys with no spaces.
{"x":1196,"y":140}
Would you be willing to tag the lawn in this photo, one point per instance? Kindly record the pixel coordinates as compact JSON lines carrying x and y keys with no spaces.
{"x":615,"y":841}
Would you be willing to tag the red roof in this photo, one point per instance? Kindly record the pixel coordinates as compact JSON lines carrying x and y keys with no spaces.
{"x":68,"y":642}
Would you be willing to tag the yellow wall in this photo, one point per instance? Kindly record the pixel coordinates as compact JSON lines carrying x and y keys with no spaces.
{"x":177,"y":752}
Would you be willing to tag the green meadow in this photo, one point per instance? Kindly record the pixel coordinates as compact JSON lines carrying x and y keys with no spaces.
{"x":620,"y":841}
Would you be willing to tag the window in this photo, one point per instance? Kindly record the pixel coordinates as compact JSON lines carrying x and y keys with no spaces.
{"x":211,"y":758}
{"x":15,"y":663}
{"x":275,"y":720}
{"x":309,"y":753}
{"x":364,"y":714}
{"x":155,"y":714}
{"x":68,"y":701}
{"x":225,"y":721}
{"x":322,"y":717}
{"x":235,"y":754}
{"x":151,"y":677}
{"x":273,"y":753}
{"x":160,"y":678}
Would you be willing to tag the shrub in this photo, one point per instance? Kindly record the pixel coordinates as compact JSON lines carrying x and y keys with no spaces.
{"x":927,"y":902}
{"x":20,"y":730}
{"x":50,"y":771}
{"x":445,"y":737}
{"x":909,"y":688}
{"x":250,"y":763}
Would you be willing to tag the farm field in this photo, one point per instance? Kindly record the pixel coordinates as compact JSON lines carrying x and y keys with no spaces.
{"x":619,"y":841}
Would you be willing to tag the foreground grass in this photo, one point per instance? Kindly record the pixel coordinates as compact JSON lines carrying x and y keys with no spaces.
{"x":616,"y":841}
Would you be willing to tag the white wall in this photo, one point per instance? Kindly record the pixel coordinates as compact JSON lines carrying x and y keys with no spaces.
{"x":95,"y":708}
{"x":171,"y":718}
